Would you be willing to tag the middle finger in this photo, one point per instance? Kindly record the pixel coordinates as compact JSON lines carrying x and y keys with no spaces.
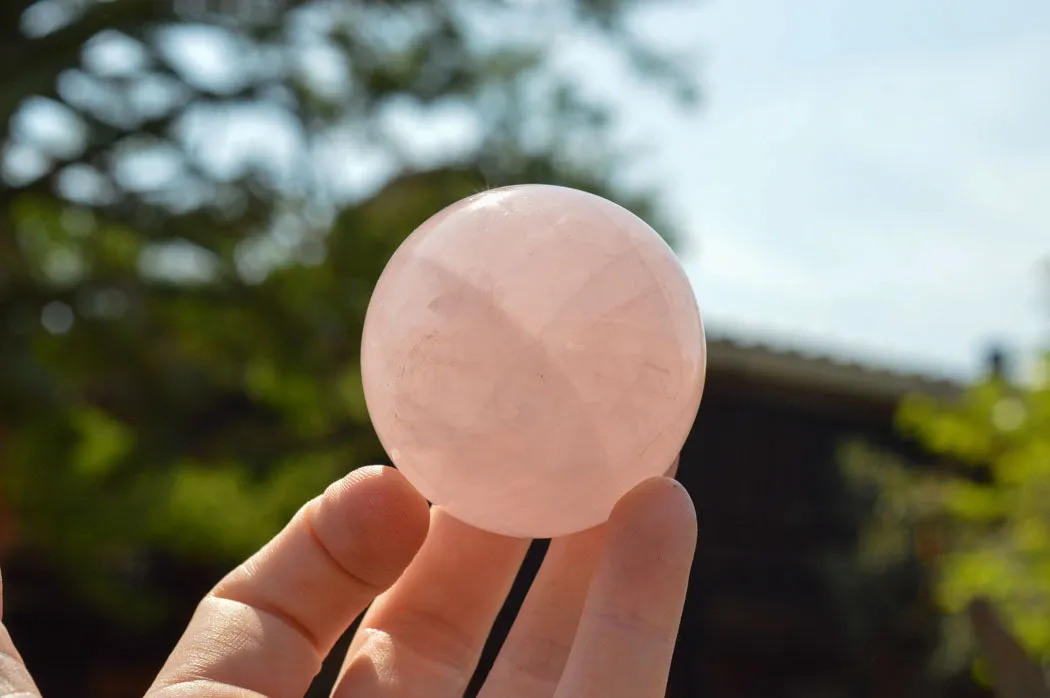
{"x":532,"y":659}
{"x":423,"y":637}
{"x":534,"y":655}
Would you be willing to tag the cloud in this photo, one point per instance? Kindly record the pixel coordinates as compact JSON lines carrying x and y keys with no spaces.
{"x":890,"y":197}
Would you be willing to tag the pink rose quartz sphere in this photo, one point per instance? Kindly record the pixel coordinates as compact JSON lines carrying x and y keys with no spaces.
{"x":529,"y":355}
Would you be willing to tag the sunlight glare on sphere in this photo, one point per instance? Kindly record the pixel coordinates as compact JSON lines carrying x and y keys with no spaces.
{"x":529,"y":355}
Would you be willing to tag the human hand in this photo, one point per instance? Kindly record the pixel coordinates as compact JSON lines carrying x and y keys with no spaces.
{"x":600,"y":620}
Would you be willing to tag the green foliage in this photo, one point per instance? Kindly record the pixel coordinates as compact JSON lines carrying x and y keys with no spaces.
{"x":180,"y":316}
{"x":980,"y":517}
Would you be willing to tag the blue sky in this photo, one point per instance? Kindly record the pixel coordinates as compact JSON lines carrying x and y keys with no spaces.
{"x":865,"y":179}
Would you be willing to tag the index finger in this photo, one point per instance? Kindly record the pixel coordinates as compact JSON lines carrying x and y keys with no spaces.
{"x":14,"y":677}
{"x":266,"y":628}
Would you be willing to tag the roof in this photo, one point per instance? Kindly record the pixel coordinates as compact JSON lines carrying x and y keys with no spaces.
{"x":805,"y":370}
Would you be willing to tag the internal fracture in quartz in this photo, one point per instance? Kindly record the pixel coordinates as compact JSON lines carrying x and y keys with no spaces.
{"x":529,"y":355}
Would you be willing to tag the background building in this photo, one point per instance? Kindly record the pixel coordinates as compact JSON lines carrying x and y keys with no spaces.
{"x":776,"y":607}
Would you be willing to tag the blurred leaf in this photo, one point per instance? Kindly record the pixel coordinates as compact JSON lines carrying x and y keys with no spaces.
{"x":188,"y":244}
{"x":103,"y":442}
{"x":992,"y":502}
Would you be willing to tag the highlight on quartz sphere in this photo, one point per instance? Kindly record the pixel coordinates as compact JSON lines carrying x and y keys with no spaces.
{"x":529,"y":355}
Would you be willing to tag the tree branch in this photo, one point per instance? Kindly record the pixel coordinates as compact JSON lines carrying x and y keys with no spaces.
{"x":1014,"y":673}
{"x":34,"y":64}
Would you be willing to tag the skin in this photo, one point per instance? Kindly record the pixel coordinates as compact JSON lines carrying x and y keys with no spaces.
{"x":599,"y":622}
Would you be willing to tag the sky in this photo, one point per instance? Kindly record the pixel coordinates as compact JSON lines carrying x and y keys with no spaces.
{"x":865,"y":180}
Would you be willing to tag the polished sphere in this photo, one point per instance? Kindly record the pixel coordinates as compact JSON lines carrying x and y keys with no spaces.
{"x":529,"y":355}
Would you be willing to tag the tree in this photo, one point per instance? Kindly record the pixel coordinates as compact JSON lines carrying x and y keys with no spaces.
{"x":978,"y":518}
{"x":198,"y":196}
